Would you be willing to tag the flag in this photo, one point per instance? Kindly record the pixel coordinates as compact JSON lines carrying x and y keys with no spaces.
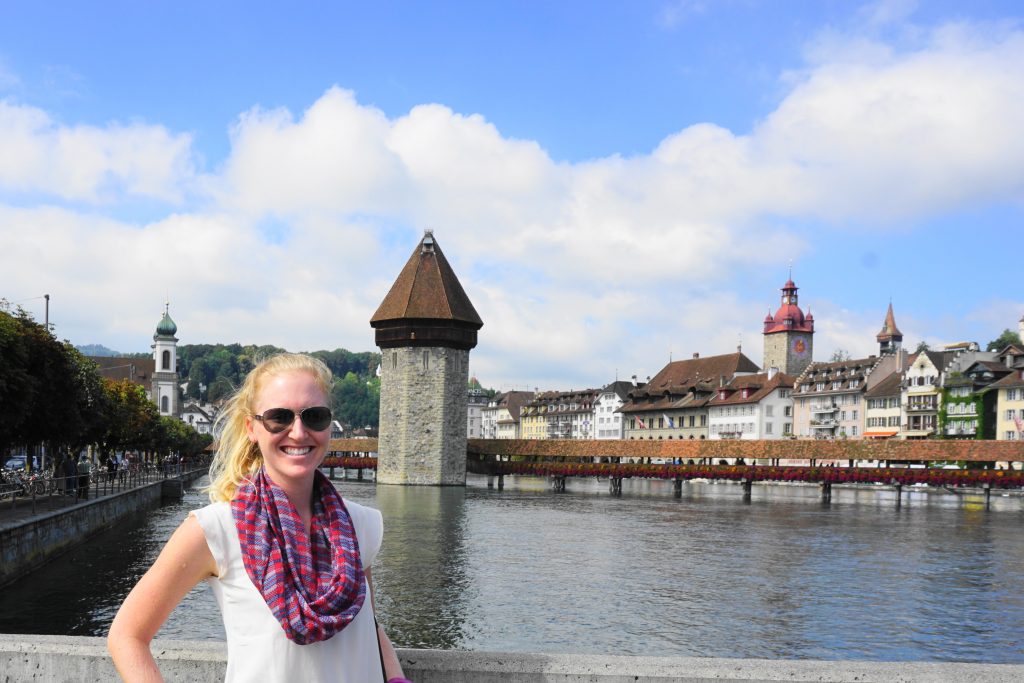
{"x":1020,"y":425}
{"x":640,"y":423}
{"x":668,"y":420}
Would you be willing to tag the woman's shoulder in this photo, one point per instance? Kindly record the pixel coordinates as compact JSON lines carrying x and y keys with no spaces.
{"x":362,"y":514}
{"x":220,"y":510}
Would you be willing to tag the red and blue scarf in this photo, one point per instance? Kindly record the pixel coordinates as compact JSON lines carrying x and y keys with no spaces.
{"x":313,"y":584}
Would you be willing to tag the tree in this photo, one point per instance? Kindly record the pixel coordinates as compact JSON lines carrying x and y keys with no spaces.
{"x":922,"y":346}
{"x":839,"y":355}
{"x":1003,"y":340}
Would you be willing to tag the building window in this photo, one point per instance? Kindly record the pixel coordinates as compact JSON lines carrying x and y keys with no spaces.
{"x":768,"y":410}
{"x":165,"y":403}
{"x":166,"y":360}
{"x":787,"y":428}
{"x":767,"y":427}
{"x":1011,"y":394}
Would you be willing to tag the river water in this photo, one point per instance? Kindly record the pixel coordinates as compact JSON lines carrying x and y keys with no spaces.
{"x":938,"y":578}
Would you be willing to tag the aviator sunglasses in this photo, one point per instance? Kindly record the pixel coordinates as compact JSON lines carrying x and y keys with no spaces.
{"x":276,"y":420}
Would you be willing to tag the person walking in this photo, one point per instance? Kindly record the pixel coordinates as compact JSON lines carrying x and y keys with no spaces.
{"x":288,"y":559}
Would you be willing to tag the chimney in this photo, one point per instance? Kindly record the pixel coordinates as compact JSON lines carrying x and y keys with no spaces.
{"x":772,"y":371}
{"x":696,"y":355}
{"x":721,"y":380}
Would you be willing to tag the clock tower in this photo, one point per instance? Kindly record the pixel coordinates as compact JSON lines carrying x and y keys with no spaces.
{"x":788,"y":335}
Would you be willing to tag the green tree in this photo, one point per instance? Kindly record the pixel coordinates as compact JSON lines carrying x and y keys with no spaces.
{"x":922,"y":346}
{"x":1003,"y":340}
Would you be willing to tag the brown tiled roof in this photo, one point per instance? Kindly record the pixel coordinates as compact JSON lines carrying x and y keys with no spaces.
{"x":139,"y":370}
{"x":1014,"y":379}
{"x":427,"y":289}
{"x":687,"y":381}
{"x":514,"y":402}
{"x":759,"y":386}
{"x":890,"y":386}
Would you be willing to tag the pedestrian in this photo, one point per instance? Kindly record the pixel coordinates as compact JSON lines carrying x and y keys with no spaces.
{"x":70,"y":475}
{"x":288,"y":559}
{"x":84,"y":471}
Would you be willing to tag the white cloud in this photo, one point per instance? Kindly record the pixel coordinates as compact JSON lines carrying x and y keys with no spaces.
{"x":577,"y":269}
{"x":88,"y":163}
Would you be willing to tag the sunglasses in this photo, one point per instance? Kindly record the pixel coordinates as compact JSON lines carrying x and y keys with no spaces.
{"x":276,"y":420}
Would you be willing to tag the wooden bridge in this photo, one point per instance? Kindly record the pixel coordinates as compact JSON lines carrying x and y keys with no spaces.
{"x":969,"y":463}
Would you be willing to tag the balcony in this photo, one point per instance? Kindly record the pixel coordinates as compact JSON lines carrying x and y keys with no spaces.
{"x":921,"y":407}
{"x":824,"y":424}
{"x":830,"y":408}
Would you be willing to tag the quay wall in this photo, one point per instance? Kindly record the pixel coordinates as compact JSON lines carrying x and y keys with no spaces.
{"x":81,"y":659}
{"x":28,"y":543}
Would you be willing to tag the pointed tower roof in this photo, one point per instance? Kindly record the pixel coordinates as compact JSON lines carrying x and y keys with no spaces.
{"x":889,"y":330}
{"x":426,"y":305}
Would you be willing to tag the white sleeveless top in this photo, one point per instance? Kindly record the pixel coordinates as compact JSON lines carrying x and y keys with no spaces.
{"x":258,"y":649}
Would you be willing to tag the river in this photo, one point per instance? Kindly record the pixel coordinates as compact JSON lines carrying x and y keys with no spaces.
{"x":528,"y":570}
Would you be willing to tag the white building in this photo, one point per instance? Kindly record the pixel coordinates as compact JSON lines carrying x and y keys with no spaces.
{"x":753,"y":407}
{"x":607,"y":419}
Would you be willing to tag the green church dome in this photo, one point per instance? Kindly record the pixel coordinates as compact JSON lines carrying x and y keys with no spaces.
{"x":166,"y":328}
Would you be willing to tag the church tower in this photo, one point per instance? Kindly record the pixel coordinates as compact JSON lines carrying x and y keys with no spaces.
{"x":890,"y":339}
{"x":788,"y":335}
{"x":165,"y":364}
{"x":425,"y":328}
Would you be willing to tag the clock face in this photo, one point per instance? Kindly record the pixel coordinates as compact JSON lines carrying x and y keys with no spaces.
{"x":799,"y":346}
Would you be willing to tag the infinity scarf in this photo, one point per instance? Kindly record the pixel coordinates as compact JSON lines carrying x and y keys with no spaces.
{"x":313,"y":584}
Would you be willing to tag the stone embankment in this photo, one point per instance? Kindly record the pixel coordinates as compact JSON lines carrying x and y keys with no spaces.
{"x":80,"y":660}
{"x":32,"y":540}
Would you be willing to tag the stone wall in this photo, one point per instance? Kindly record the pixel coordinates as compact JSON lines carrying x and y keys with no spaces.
{"x":423,"y":403}
{"x":82,"y":660}
{"x":30,"y":543}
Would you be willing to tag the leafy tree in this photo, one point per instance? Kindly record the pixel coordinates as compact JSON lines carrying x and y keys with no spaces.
{"x":1003,"y":340}
{"x":922,"y":346}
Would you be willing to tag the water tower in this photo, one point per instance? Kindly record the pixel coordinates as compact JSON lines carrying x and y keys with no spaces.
{"x":425,"y":327}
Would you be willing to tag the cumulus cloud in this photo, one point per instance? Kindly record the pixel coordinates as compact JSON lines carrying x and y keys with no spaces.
{"x":578,"y":269}
{"x":89,"y":163}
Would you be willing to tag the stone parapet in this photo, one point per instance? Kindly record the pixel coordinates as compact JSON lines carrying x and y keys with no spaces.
{"x":80,"y":660}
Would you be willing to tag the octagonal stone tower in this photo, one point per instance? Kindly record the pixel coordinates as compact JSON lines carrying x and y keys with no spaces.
{"x":425,"y":327}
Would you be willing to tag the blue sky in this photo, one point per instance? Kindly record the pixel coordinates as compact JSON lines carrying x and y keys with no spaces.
{"x":613,"y":182}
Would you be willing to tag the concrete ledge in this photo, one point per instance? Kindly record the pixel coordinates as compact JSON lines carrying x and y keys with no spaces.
{"x":78,"y":659}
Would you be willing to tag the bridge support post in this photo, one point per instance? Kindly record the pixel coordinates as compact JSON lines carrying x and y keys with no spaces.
{"x":747,"y":486}
{"x":490,"y":481}
{"x":359,"y":474}
{"x":988,"y":495}
{"x":899,"y":493}
{"x":615,"y":486}
{"x":501,"y":482}
{"x":677,"y":488}
{"x":826,"y":492}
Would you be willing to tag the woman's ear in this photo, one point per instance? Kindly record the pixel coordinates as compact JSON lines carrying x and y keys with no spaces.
{"x":250,"y":429}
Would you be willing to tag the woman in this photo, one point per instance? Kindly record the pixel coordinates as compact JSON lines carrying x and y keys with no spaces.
{"x":287,"y":558}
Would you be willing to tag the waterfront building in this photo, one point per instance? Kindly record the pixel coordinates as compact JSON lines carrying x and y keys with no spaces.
{"x":882,"y":407}
{"x":828,"y":399}
{"x":789,"y":335}
{"x":753,"y":407}
{"x":968,"y":410}
{"x":607,"y":416}
{"x":1009,"y":392}
{"x":673,"y":404}
{"x":559,"y":415}
{"x":922,"y":394}
{"x":425,"y":328}
{"x":475,"y":403}
{"x":500,"y":419}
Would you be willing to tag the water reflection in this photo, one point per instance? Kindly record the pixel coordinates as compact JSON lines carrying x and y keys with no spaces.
{"x":706,"y":574}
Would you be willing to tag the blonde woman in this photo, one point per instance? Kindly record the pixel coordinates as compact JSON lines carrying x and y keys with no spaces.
{"x":287,"y":558}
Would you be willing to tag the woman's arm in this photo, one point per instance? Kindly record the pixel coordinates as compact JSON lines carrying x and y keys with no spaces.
{"x":185,"y":561}
{"x":392,"y":667}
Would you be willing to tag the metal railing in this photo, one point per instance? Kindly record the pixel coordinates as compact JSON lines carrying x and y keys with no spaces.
{"x":39,"y":490}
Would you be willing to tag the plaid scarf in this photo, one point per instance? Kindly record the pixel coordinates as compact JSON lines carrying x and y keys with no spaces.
{"x":313,"y":584}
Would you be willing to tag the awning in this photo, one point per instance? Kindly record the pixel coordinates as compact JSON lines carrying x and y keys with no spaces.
{"x":881,"y":433}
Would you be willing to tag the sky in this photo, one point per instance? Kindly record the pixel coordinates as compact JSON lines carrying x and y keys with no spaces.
{"x":616,"y":184}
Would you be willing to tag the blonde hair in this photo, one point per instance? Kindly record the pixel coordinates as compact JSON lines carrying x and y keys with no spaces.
{"x":237,"y":458}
